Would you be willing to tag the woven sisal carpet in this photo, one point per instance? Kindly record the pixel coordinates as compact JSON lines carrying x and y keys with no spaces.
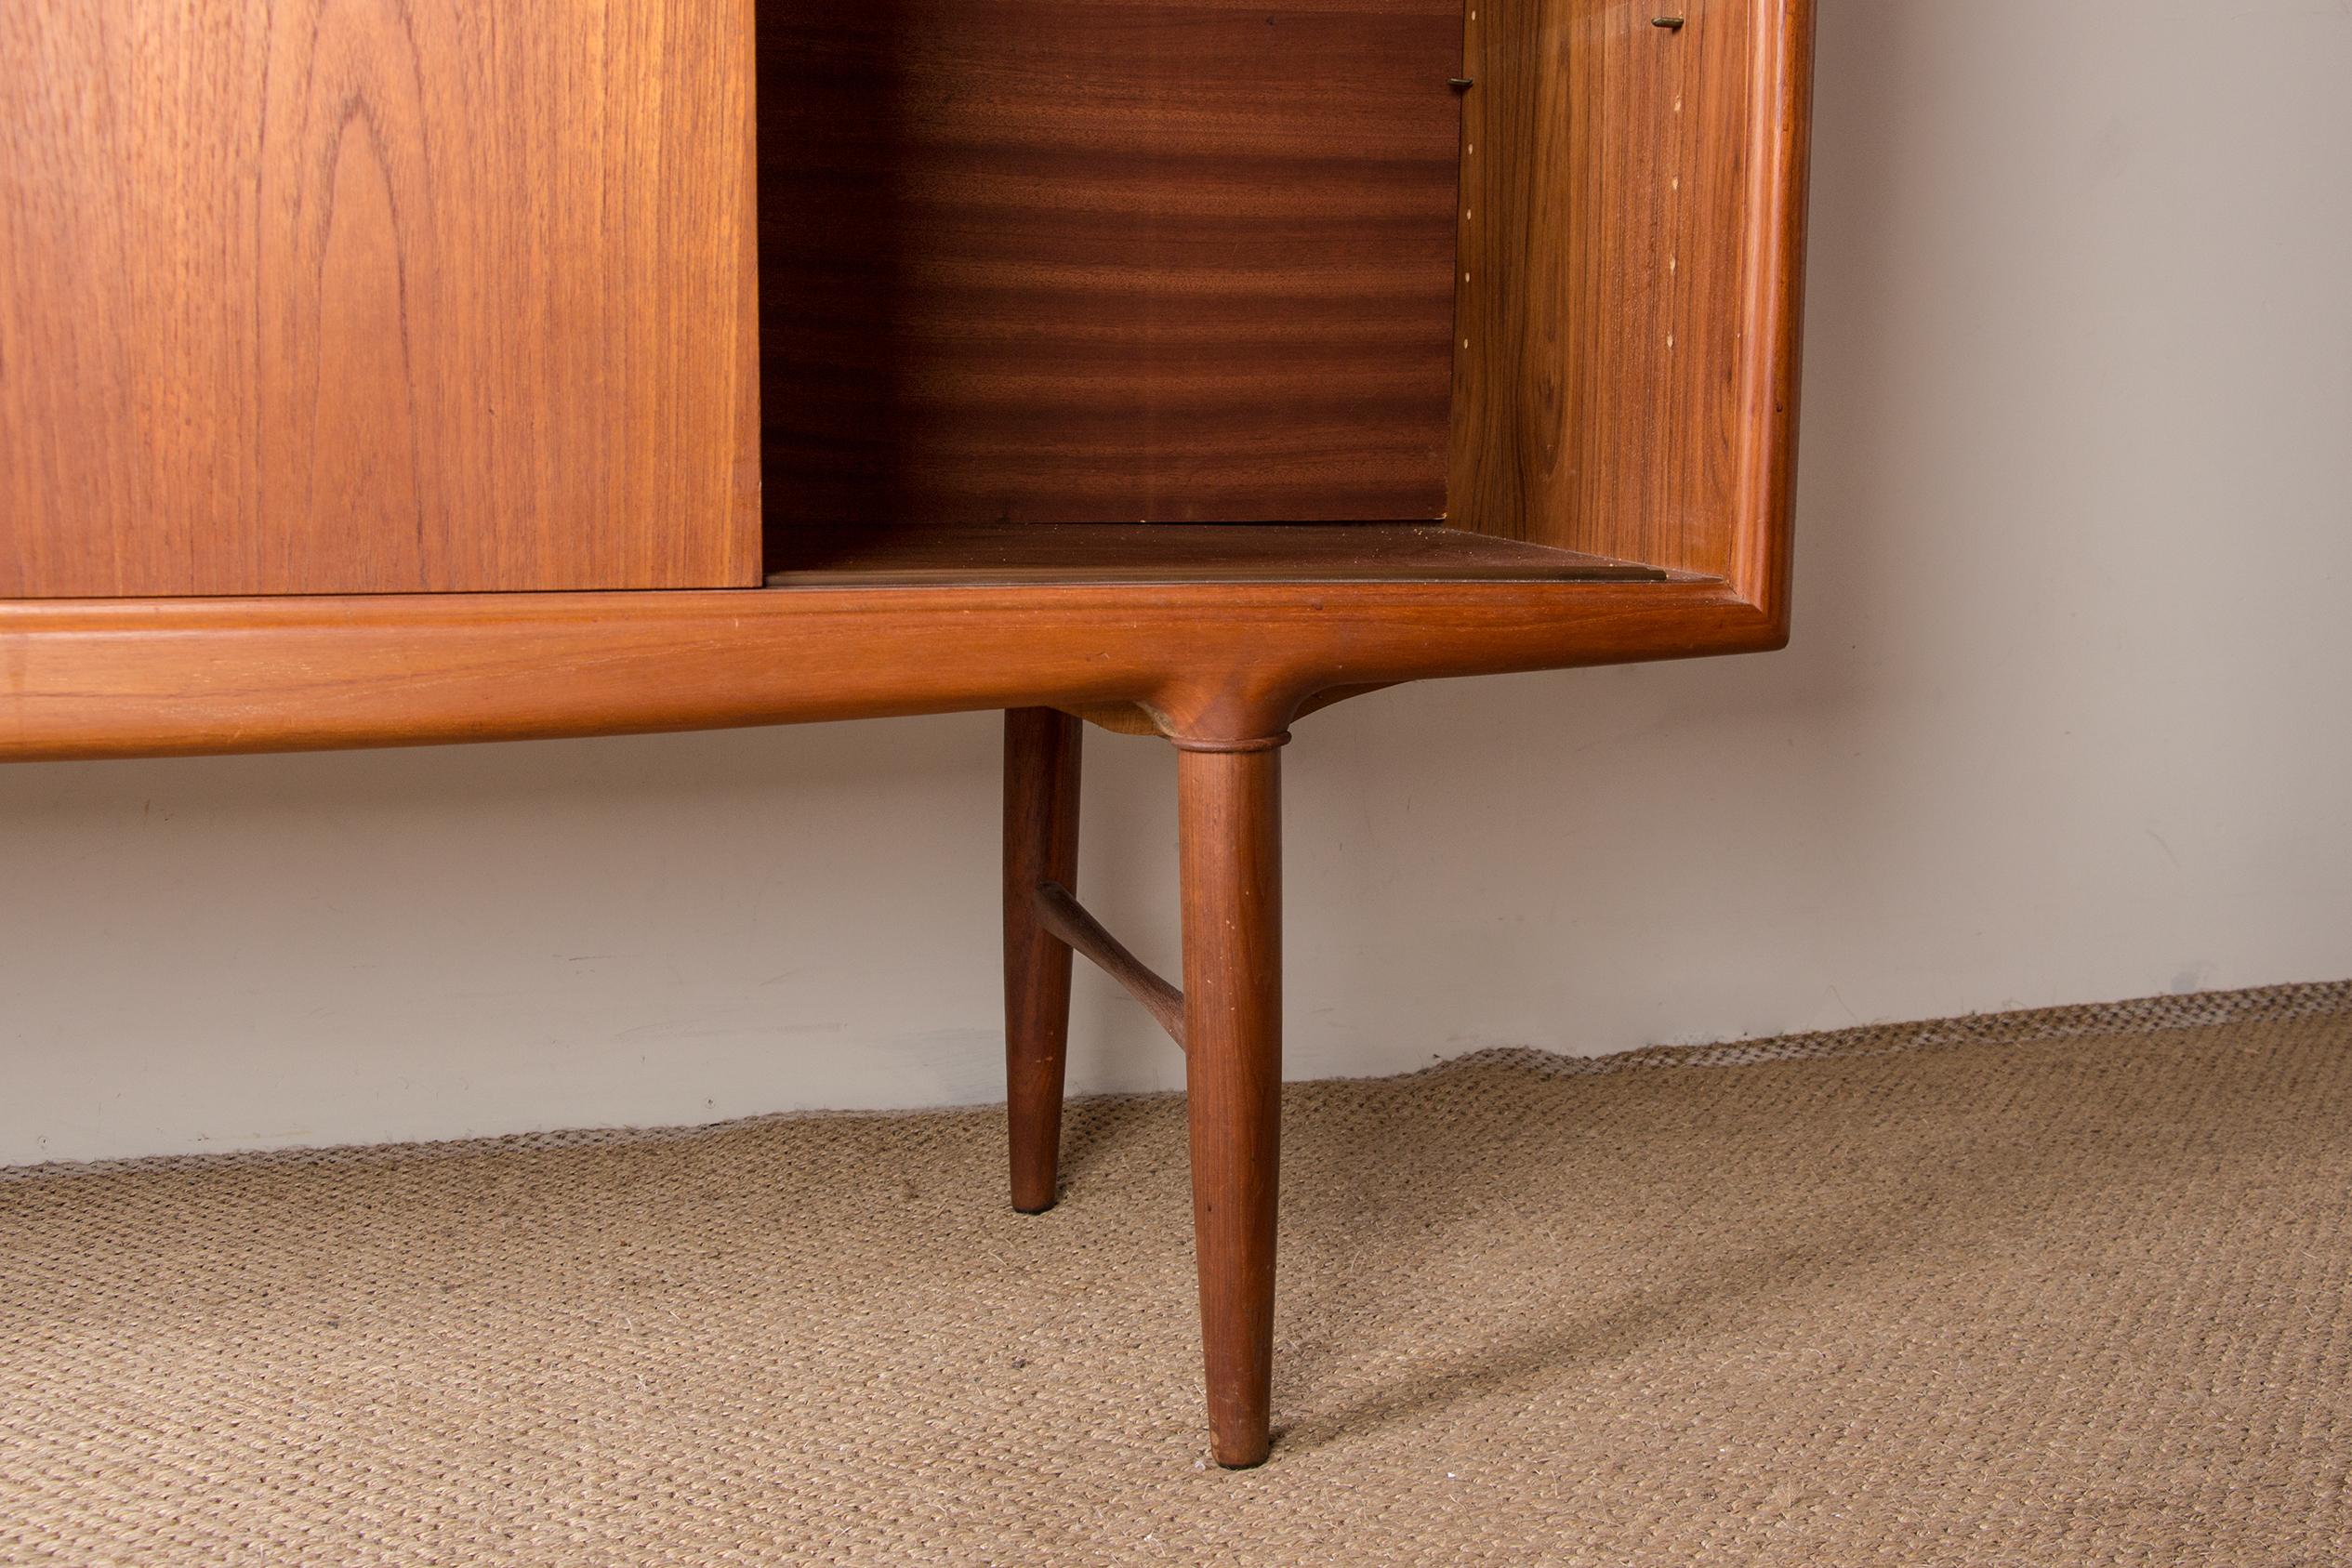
{"x":2054,"y":1288}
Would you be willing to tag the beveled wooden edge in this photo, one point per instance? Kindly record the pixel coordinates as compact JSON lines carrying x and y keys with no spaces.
{"x":1223,"y":663}
{"x":1779,"y":183}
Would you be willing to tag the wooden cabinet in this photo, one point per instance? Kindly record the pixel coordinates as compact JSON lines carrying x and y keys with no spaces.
{"x":367,"y":296}
{"x":1186,"y":365}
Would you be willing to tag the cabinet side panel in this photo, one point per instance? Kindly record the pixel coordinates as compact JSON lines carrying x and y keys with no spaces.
{"x":366,"y":295}
{"x":1601,"y":379}
{"x":1107,"y":260}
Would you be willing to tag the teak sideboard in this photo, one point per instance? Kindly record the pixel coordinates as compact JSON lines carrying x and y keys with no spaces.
{"x":390,"y":372}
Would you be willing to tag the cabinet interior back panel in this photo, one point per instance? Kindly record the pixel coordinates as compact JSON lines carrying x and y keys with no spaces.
{"x":1101,"y":260}
{"x":356,"y":295}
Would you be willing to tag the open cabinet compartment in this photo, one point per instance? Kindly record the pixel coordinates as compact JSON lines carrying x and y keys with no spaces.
{"x":878,"y":291}
{"x":1380,"y":289}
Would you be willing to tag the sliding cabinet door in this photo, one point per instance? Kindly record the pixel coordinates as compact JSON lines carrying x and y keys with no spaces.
{"x":376,"y":296}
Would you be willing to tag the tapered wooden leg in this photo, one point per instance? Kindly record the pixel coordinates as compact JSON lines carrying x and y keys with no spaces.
{"x":1042,"y":750}
{"x":1229,"y":817}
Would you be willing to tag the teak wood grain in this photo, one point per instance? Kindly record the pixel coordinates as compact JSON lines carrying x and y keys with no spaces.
{"x":1629,"y":273}
{"x":1220,"y":661}
{"x":362,"y":296}
{"x":1216,"y":658}
{"x":1106,"y":261}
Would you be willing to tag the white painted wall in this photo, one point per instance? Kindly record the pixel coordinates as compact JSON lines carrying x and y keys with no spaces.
{"x":2066,"y":718}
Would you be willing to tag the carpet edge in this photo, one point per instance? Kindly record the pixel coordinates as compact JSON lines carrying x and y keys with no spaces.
{"x":2143,"y":1015}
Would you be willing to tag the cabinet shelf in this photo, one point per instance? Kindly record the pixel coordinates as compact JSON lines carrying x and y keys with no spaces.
{"x":1034,"y":554}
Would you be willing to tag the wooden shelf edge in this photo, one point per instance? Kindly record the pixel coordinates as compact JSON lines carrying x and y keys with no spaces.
{"x":94,"y":678}
{"x":1169,"y":555}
